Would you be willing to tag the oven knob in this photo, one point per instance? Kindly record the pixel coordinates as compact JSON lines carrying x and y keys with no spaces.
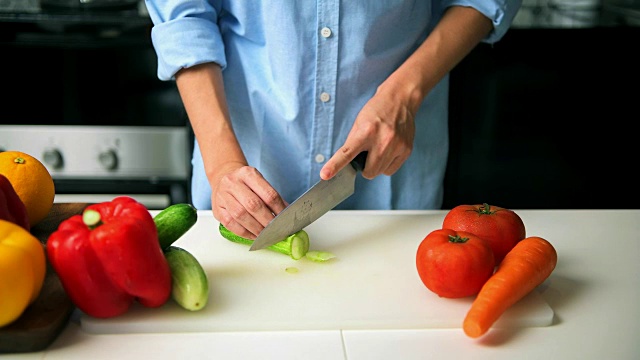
{"x":53,"y":158}
{"x":109,"y":159}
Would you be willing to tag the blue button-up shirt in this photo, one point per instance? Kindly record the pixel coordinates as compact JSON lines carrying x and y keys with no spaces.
{"x":297,"y":74}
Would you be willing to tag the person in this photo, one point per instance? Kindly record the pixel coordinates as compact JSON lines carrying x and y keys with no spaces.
{"x":283,"y":93}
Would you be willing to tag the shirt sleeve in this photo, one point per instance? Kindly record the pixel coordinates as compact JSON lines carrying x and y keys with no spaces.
{"x":185,"y":33}
{"x":501,"y":13}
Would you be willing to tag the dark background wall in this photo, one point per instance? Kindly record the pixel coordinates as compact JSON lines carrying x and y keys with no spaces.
{"x":546,"y":119}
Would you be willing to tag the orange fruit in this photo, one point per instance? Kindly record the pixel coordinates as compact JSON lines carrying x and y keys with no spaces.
{"x":32,"y":182}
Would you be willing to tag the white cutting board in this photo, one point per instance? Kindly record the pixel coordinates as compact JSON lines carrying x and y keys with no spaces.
{"x":371,"y":284}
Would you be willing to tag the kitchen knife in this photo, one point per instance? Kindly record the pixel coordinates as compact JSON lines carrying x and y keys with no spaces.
{"x":315,"y":202}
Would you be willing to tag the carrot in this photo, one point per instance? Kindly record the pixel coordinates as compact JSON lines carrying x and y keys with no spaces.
{"x":525,"y":267}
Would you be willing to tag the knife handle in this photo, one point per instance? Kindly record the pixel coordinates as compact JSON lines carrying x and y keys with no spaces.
{"x":359,"y":161}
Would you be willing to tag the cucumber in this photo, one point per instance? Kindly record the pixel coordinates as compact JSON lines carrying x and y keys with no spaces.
{"x":190,"y":286}
{"x":173,"y":222}
{"x":319,"y":256}
{"x":295,"y":245}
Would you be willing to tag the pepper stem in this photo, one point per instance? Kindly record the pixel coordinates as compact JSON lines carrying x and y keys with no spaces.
{"x":91,"y":218}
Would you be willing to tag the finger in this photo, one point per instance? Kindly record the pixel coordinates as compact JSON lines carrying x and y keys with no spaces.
{"x":385,"y":163}
{"x":272,"y":200}
{"x":255,"y":207}
{"x":393,"y":166}
{"x":246,"y":202}
{"x":239,"y":230}
{"x":339,"y":160}
{"x":373,"y":165}
{"x":239,"y":218}
{"x":226,"y":218}
{"x":257,"y":196}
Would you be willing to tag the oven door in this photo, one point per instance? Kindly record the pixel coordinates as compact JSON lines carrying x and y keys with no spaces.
{"x":155,"y":196}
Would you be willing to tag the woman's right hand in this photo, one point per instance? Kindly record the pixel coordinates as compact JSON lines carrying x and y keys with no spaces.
{"x":243,"y":200}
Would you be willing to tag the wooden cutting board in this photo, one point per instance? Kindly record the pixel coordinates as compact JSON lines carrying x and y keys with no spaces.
{"x":372,"y":284}
{"x":43,"y":320}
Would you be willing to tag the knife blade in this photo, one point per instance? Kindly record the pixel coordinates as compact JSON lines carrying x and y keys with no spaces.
{"x":310,"y":206}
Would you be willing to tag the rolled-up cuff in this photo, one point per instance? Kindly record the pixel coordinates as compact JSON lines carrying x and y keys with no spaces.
{"x":186,"y":42}
{"x":501,"y":13}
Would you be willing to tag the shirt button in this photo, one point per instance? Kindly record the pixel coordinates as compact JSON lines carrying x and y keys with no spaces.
{"x":325,"y":32}
{"x":319,"y":158}
{"x":324,"y":97}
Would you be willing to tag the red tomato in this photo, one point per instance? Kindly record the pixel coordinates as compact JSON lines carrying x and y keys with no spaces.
{"x":454,"y":264}
{"x":502,"y":228}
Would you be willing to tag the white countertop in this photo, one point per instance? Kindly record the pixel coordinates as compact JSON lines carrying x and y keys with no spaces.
{"x":594,"y":292}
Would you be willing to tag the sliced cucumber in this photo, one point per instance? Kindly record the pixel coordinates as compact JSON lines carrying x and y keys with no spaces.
{"x":295,"y":245}
{"x":319,"y":256}
{"x":173,"y":222}
{"x":190,"y":286}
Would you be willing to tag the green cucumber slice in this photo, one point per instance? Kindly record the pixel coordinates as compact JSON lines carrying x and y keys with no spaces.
{"x":319,"y":256}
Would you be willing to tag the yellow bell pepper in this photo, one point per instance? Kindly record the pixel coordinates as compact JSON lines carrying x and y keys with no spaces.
{"x":22,"y":270}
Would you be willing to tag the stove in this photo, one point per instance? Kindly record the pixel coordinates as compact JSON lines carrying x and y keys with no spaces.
{"x":96,"y":163}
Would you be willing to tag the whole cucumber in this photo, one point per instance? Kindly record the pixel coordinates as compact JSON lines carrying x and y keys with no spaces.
{"x":173,"y":222}
{"x":190,"y":286}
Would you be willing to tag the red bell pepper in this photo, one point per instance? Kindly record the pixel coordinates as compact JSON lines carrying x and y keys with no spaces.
{"x":12,"y":208}
{"x":109,"y":257}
